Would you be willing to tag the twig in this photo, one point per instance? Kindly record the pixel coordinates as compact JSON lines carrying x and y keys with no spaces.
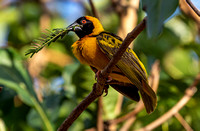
{"x":119,"y":104}
{"x":138,"y":108}
{"x":94,"y":11}
{"x":186,"y":9}
{"x":91,"y":129}
{"x":128,"y":124}
{"x":183,"y":122}
{"x":128,"y":17}
{"x":99,"y":87}
{"x":80,"y":108}
{"x":190,"y":91}
{"x":117,"y":111}
{"x":153,"y":81}
{"x":99,"y":114}
{"x":193,"y":7}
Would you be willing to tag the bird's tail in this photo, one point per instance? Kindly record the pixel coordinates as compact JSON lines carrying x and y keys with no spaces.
{"x":148,"y":96}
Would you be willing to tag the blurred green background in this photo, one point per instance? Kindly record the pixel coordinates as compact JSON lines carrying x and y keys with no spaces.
{"x":39,"y":93}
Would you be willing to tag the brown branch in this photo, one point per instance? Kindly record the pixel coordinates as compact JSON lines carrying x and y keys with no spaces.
{"x":190,"y":91}
{"x":99,"y":114}
{"x":137,"y":109}
{"x":153,"y":81}
{"x":91,"y":129}
{"x":80,"y":108}
{"x":94,"y":11}
{"x":193,"y":7}
{"x":99,"y":87}
{"x":128,"y":124}
{"x":128,"y":17}
{"x":118,"y":105}
{"x":127,"y":41}
{"x":187,"y":10}
{"x":183,"y":122}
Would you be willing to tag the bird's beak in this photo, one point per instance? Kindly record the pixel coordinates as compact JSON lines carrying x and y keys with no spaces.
{"x":74,"y":27}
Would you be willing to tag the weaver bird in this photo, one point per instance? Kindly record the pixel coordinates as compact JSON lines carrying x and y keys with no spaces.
{"x":96,"y":47}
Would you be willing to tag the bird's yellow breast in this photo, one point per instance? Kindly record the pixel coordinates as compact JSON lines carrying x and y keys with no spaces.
{"x":88,"y":52}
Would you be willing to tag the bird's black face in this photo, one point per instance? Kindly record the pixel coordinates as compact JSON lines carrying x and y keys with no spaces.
{"x":81,"y":27}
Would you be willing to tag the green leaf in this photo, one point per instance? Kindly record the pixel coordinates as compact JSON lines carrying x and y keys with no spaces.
{"x":157,"y":12}
{"x":14,"y":76}
{"x":46,"y":39}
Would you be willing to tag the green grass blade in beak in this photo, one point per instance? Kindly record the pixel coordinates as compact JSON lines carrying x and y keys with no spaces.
{"x":74,"y":27}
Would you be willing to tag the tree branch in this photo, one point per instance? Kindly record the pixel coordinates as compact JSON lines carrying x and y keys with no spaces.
{"x":99,"y":87}
{"x":80,"y":108}
{"x":94,"y":11}
{"x":193,"y":7}
{"x":190,"y":91}
{"x":183,"y":122}
{"x":99,"y":114}
{"x":127,"y":41}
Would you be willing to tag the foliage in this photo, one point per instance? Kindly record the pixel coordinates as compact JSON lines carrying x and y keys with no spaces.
{"x":42,"y":101}
{"x":163,"y":9}
{"x":46,"y":39}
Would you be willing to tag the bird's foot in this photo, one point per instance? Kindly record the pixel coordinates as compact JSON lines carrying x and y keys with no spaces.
{"x":97,"y":74}
{"x":106,"y":90}
{"x":108,"y":79}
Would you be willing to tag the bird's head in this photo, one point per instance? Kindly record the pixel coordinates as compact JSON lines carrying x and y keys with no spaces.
{"x":86,"y":25}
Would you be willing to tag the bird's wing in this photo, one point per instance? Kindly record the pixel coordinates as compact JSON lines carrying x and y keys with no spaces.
{"x":130,"y":65}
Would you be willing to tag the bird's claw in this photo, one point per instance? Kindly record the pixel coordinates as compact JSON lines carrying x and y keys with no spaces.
{"x":109,"y":79}
{"x":97,"y":75}
{"x":106,"y":90}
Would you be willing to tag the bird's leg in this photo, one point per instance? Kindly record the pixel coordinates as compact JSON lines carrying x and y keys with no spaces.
{"x":97,"y":75}
{"x":108,"y":79}
{"x":106,"y":89}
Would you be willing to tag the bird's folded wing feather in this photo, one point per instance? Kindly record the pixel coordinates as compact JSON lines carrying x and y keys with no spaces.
{"x":129,"y":62}
{"x":130,"y":65}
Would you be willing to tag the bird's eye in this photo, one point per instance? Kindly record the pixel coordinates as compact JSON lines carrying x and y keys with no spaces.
{"x":83,"y":21}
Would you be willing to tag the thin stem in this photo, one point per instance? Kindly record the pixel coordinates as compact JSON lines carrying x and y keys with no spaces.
{"x":183,"y":122}
{"x":190,"y":91}
{"x":80,"y":108}
{"x":99,"y":114}
{"x":94,"y":11}
{"x":193,"y":7}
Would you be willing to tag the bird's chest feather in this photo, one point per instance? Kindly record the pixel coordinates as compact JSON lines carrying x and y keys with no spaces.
{"x":88,"y":52}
